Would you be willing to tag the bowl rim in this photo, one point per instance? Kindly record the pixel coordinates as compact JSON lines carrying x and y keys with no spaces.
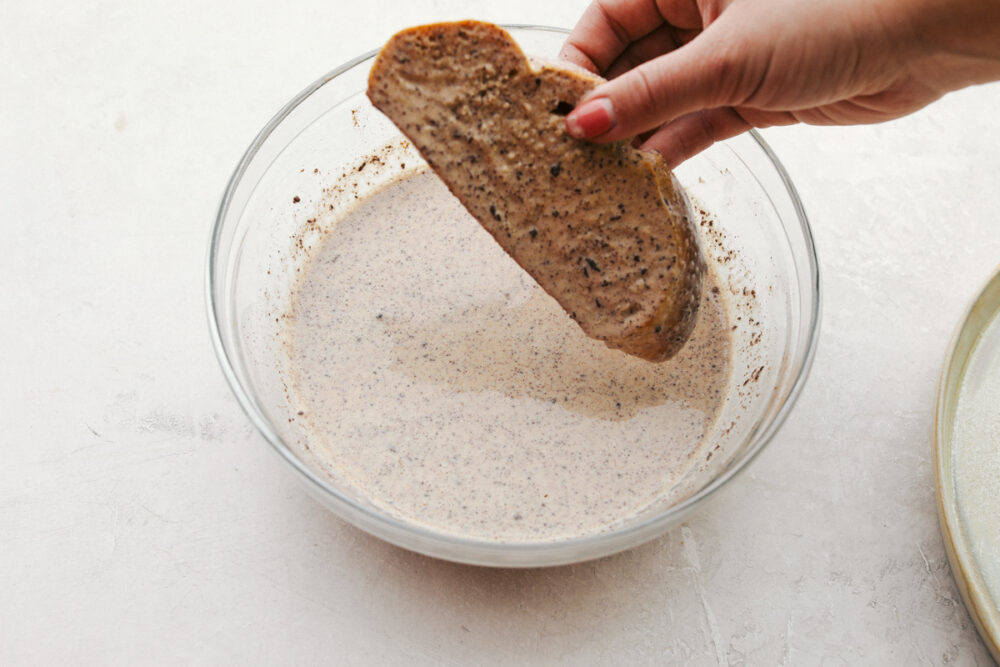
{"x":630,"y":535}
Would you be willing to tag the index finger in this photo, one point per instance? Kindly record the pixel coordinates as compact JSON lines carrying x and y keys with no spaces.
{"x":606,"y":29}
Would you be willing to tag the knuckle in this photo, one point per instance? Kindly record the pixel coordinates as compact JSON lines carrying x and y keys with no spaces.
{"x":706,"y":129}
{"x":722,"y":67}
{"x":646,"y":96}
{"x":608,"y":15}
{"x":728,"y":63}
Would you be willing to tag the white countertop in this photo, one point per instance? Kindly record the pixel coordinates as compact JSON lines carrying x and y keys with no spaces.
{"x":142,"y":520}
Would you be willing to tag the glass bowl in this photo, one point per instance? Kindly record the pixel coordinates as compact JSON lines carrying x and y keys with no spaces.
{"x":284,"y":191}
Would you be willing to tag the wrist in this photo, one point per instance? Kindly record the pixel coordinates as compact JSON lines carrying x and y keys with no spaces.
{"x":958,"y":40}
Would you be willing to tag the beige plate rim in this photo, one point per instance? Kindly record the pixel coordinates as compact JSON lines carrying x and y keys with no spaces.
{"x":983,"y":609}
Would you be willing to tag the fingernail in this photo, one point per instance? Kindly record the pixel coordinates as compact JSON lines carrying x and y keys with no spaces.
{"x":591,"y":119}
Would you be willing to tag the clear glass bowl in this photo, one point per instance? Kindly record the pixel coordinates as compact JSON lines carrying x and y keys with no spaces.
{"x":328,"y":129}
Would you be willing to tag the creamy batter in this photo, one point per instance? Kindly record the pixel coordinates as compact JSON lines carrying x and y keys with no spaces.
{"x":432,"y":377}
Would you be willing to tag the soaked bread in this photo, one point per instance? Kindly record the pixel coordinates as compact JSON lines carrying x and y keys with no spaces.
{"x":605,"y":229}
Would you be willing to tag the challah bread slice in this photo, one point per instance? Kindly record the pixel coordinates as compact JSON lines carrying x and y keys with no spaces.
{"x":605,"y":229}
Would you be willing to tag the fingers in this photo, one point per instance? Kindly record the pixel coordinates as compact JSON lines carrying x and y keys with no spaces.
{"x":687,"y":79}
{"x":606,"y":29}
{"x":692,"y":133}
{"x":662,"y":40}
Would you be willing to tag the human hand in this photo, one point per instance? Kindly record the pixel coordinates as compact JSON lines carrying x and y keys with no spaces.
{"x":687,"y":73}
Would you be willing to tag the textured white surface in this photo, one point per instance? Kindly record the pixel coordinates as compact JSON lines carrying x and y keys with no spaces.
{"x":143,"y":521}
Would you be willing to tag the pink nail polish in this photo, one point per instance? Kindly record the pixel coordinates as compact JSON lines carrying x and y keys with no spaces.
{"x":591,"y":119}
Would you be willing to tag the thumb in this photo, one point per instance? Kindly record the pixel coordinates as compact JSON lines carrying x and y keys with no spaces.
{"x":690,"y":78}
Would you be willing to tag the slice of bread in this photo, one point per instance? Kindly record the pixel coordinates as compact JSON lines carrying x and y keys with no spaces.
{"x":604,"y":229}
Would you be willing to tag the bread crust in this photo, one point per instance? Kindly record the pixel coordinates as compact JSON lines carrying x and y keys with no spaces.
{"x":605,"y":229}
